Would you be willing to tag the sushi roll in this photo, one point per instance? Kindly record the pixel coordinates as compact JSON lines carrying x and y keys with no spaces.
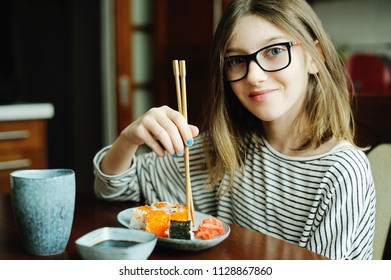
{"x":139,"y":215}
{"x":176,"y":211}
{"x":180,"y":229}
{"x":157,"y":222}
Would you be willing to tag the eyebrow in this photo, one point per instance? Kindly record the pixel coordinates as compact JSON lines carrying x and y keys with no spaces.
{"x":264,"y":44}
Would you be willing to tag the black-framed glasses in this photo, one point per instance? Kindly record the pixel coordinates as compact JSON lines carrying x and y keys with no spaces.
{"x":271,"y":58}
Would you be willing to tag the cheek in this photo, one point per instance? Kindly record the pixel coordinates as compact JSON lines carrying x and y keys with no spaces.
{"x":238,"y":89}
{"x":297,"y":84}
{"x":297,"y":75}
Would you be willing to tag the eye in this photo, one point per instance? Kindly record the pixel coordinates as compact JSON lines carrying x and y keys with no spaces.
{"x":274,"y":51}
{"x":236,"y":61}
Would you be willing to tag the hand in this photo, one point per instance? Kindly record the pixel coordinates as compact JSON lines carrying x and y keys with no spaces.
{"x":162,"y":129}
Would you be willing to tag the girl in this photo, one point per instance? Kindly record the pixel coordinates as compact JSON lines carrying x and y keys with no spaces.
{"x":277,"y":153}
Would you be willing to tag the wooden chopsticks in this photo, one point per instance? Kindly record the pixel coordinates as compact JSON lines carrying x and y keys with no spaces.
{"x":180,"y":84}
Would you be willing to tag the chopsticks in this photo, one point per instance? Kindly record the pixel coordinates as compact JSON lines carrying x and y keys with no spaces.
{"x":180,"y":84}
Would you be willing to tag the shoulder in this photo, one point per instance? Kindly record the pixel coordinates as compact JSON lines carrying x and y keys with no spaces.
{"x":350,"y":173}
{"x":349,"y":160}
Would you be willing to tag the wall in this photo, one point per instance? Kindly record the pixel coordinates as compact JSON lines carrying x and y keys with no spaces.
{"x":358,"y":25}
{"x":362,"y":25}
{"x":57,"y":60}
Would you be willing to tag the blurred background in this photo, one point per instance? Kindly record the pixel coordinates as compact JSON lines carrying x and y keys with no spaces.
{"x":101,"y":64}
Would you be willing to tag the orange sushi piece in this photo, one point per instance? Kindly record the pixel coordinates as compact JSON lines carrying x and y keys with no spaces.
{"x":177,"y":212}
{"x":160,"y":205}
{"x":180,"y":213}
{"x":157,"y":222}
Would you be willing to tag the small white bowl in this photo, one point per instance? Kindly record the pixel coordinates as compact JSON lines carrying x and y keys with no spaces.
{"x":110,"y":243}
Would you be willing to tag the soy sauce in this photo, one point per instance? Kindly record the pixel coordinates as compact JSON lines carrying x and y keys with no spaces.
{"x":116,"y":243}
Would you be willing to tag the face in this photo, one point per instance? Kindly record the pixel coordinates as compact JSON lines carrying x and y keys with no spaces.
{"x":271,"y":96}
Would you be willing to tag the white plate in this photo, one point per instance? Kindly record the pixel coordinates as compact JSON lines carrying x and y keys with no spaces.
{"x":194,"y":244}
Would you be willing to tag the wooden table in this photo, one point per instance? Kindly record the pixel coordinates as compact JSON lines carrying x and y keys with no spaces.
{"x":91,"y":213}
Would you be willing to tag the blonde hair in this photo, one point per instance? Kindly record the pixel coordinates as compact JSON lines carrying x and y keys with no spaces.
{"x":327,"y":106}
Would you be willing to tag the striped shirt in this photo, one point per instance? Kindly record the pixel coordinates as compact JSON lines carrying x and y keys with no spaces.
{"x":325,"y":203}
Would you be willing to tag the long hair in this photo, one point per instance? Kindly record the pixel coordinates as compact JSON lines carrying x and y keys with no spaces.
{"x":327,"y":105}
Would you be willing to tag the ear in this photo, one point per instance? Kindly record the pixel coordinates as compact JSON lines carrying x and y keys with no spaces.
{"x":312,"y":67}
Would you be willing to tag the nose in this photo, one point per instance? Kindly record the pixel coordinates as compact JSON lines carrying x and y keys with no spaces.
{"x":255,"y":73}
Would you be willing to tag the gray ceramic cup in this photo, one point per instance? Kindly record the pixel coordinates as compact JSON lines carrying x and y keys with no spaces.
{"x":43,"y":203}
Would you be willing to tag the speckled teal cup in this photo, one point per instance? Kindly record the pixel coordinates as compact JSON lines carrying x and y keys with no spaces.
{"x":43,"y":203}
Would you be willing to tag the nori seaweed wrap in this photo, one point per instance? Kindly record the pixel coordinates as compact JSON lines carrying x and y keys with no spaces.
{"x":179,"y":229}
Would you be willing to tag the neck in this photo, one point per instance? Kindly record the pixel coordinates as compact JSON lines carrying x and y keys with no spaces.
{"x":286,"y":140}
{"x":282,"y":137}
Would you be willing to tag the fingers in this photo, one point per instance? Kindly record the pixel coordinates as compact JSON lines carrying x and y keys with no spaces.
{"x":194,"y":130}
{"x":163,"y":129}
{"x":152,"y":142}
{"x":175,"y":133}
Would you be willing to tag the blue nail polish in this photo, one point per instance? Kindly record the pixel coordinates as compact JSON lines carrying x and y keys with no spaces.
{"x":181,"y":153}
{"x":189,"y":142}
{"x":174,"y":156}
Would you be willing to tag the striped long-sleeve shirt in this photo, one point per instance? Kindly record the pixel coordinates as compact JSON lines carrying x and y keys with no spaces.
{"x":325,"y":203}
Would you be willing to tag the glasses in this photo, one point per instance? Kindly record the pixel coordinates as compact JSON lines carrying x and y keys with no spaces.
{"x":271,"y":59}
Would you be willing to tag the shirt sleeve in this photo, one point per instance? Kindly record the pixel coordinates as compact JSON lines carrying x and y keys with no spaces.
{"x":120,"y":187}
{"x":344,"y":226}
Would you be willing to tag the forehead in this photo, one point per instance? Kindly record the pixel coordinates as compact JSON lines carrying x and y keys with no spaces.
{"x":253,"y":32}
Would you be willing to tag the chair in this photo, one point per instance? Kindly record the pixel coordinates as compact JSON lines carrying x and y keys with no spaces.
{"x":380,"y":159}
{"x":369,"y":73}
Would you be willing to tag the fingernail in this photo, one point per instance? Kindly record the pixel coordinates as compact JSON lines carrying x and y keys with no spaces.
{"x":189,"y":142}
{"x":181,"y":153}
{"x":174,"y":156}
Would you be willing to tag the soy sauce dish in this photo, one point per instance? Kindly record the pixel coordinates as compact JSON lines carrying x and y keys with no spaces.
{"x":111,"y":243}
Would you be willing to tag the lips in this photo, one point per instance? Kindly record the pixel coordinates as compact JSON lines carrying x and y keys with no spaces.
{"x":260,"y":94}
